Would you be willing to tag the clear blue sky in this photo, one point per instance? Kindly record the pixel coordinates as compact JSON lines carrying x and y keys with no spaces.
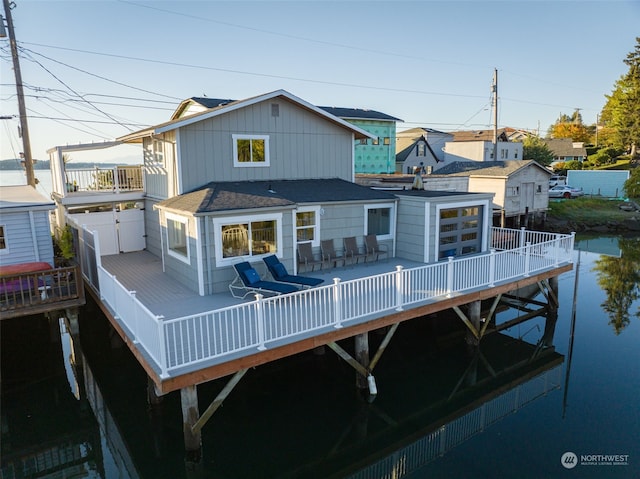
{"x":89,"y":65}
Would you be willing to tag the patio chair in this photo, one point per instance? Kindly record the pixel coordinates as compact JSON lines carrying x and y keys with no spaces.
{"x":306,"y":257}
{"x":279,"y":273}
{"x":373,"y":248}
{"x":248,"y":281}
{"x":352,"y":250}
{"x":329,"y":253}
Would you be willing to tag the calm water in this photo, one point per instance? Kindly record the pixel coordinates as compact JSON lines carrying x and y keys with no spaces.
{"x":302,"y":418}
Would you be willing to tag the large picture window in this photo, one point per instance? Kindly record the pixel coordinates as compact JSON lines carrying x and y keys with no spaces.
{"x":379,"y":220}
{"x":177,"y":241}
{"x":250,"y":150}
{"x":247,"y":237}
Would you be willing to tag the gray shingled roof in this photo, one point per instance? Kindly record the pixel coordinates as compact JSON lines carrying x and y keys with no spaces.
{"x":485,"y":168}
{"x":358,"y":113}
{"x":239,"y":195}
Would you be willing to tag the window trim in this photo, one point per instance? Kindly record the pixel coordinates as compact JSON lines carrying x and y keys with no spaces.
{"x":250,"y":164}
{"x":178,"y":219}
{"x":317,"y":209}
{"x":218,"y":223}
{"x":5,"y":250}
{"x":392,"y":219}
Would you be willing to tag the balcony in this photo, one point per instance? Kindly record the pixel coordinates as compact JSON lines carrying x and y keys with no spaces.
{"x":39,"y":292}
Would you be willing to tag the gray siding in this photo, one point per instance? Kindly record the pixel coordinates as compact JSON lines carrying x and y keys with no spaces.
{"x":20,"y":244}
{"x":152,"y":228}
{"x":411,"y":228}
{"x":186,"y":274}
{"x":301,"y":145}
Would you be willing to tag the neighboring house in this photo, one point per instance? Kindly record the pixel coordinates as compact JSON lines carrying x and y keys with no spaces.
{"x":372,"y":155}
{"x":520,"y":187}
{"x":477,"y":145}
{"x":420,"y":149}
{"x":25,"y":231}
{"x":565,"y":149}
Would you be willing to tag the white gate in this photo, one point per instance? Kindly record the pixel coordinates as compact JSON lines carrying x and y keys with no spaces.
{"x":119,"y":231}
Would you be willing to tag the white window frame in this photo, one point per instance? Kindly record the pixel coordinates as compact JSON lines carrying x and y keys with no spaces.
{"x":218,"y":223}
{"x":5,"y":250}
{"x":178,"y":219}
{"x":392,"y":218}
{"x":318,"y":210}
{"x":250,"y":164}
{"x":484,"y":231}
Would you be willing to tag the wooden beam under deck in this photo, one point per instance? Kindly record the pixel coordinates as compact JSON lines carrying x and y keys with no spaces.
{"x":218,"y":371}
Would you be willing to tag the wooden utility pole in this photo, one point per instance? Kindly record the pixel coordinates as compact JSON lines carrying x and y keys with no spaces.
{"x":494,"y":90}
{"x":24,"y":129}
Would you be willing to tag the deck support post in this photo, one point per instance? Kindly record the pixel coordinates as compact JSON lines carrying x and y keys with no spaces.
{"x":190,"y":415}
{"x":362,"y":356}
{"x":474,"y":309}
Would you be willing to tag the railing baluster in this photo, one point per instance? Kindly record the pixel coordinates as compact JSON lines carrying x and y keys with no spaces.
{"x":337,"y":303}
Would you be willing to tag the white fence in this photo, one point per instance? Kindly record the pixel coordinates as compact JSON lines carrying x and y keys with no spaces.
{"x":245,"y":328}
{"x":119,"y":178}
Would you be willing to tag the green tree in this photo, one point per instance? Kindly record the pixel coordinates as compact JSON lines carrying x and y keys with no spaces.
{"x":620,"y":279}
{"x":621,"y":113}
{"x":632,"y":185}
{"x":533,"y":148}
{"x":571,"y":127}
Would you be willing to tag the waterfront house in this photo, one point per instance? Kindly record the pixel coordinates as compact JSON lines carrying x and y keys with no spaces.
{"x":29,"y":281}
{"x":263,"y":176}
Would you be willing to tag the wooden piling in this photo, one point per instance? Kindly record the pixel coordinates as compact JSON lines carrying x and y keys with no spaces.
{"x":190,"y":415}
{"x":473,"y":314}
{"x":362,"y":356}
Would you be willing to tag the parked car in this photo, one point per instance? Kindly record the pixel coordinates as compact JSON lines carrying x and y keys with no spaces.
{"x":556,"y":180}
{"x":565,"y":191}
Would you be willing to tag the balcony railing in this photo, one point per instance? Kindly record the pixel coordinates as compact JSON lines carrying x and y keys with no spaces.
{"x":252,"y":326}
{"x":117,"y":179}
{"x":37,"y":292}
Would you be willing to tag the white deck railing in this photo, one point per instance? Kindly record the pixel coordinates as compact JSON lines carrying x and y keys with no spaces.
{"x":245,"y":328}
{"x":116,"y":179}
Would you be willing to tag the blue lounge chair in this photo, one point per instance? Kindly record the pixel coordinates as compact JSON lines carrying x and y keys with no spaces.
{"x":248,"y":280}
{"x":279,"y":273}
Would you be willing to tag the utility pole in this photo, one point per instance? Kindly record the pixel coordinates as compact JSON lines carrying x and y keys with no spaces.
{"x":24,"y":128}
{"x":494,"y":90}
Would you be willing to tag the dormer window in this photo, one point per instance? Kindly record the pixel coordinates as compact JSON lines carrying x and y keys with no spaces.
{"x":250,"y":150}
{"x":422,"y":149}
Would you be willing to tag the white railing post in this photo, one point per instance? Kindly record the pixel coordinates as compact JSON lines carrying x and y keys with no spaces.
{"x":522,"y":237}
{"x":399,"y":287}
{"x":163,"y":347}
{"x":135,"y":318}
{"x":260,"y":320}
{"x":116,"y":183}
{"x":450,"y":276}
{"x":527,"y":259}
{"x":337,"y":302}
{"x":492,"y":267}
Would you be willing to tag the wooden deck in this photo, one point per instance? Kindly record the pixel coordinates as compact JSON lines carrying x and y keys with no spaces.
{"x":182,"y":339}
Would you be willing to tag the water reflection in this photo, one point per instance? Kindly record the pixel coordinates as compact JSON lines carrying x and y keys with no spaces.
{"x":619,"y":277}
{"x":296,"y":418}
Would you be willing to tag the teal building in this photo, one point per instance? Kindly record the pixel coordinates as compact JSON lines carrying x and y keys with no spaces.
{"x":371,"y":156}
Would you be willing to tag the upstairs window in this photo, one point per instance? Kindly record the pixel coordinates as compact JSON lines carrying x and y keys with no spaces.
{"x":250,"y":150}
{"x":422,"y":150}
{"x":376,"y":141}
{"x":387,"y":140}
{"x":363,"y":141}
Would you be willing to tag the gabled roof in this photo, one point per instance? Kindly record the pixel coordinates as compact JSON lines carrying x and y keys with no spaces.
{"x":358,"y":114}
{"x":227,"y":196}
{"x":420,"y":131}
{"x":497,"y":169}
{"x":204,"y":102}
{"x":359,"y":133}
{"x":405,"y":146}
{"x":566,"y":147}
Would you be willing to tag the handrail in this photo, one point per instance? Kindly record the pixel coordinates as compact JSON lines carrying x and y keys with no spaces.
{"x":117,"y":179}
{"x":210,"y":335}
